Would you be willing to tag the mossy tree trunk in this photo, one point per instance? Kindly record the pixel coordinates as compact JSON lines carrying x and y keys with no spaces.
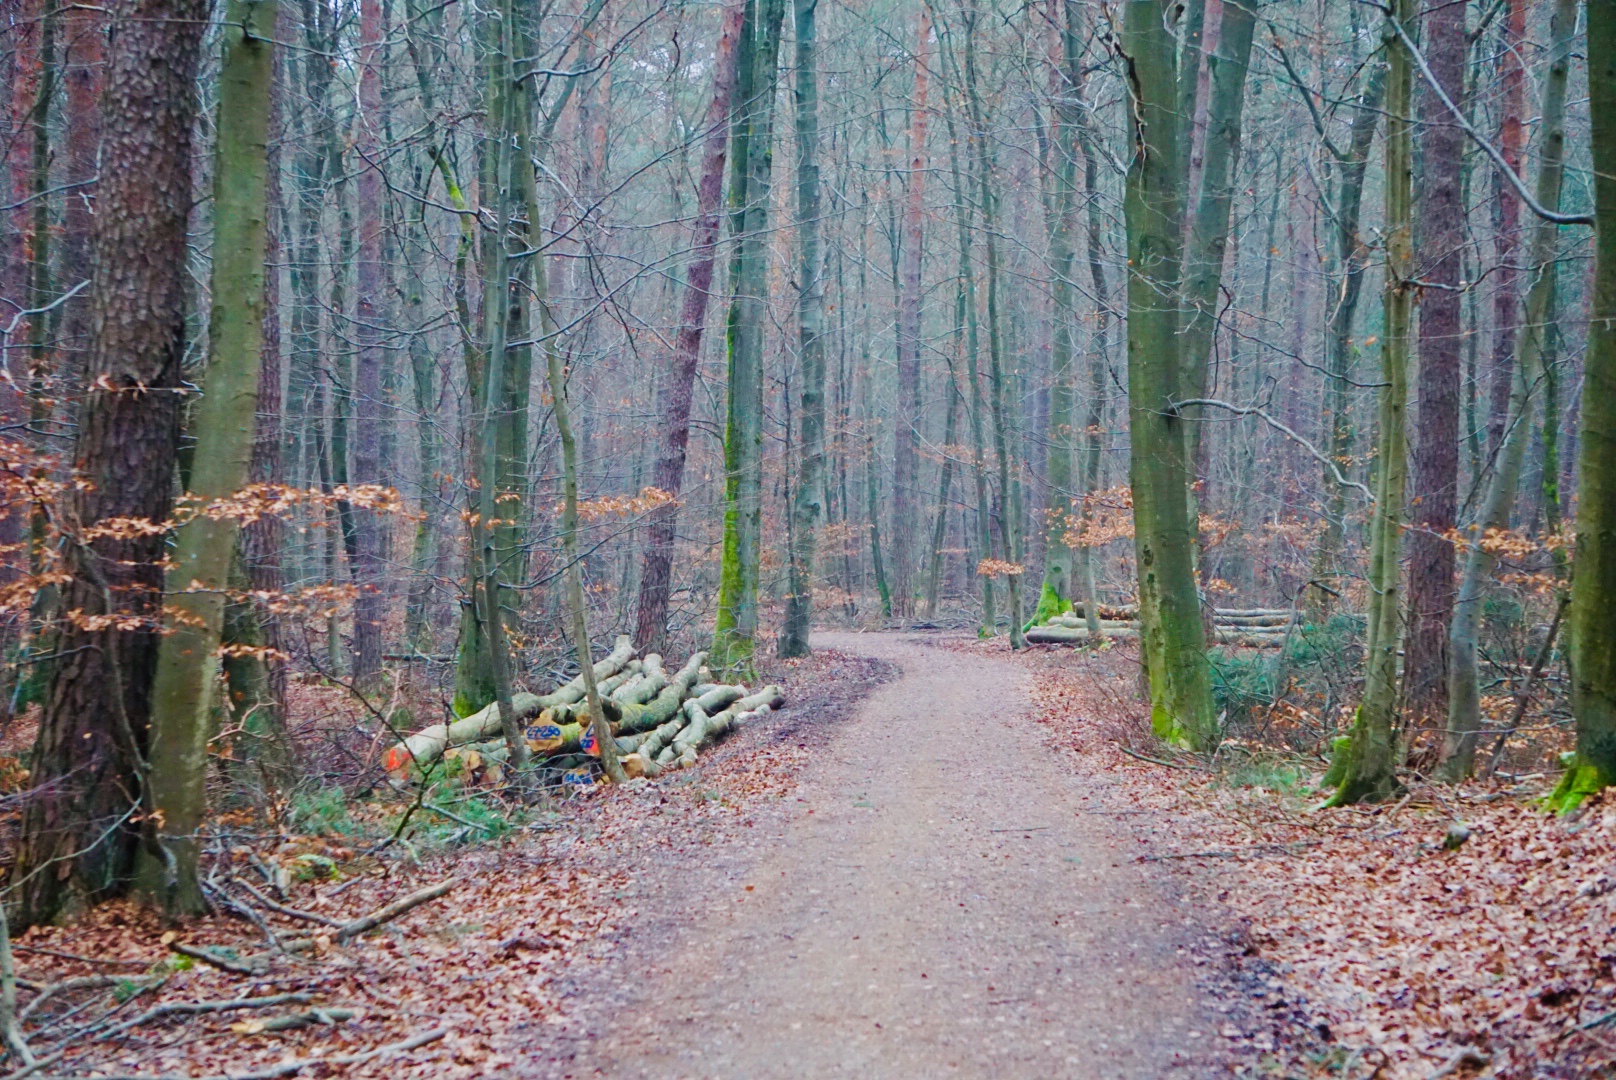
{"x":1593,"y":587}
{"x":1367,"y":760}
{"x":735,"y":632}
{"x":183,"y":696}
{"x":1172,"y":636}
{"x":808,"y":501}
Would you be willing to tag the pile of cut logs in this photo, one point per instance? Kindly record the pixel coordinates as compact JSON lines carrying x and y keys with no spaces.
{"x":1254,"y":628}
{"x":659,"y":721}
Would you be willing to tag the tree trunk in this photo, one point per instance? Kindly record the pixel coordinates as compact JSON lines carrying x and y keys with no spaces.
{"x":808,"y":501}
{"x":1055,"y":594}
{"x":1209,"y":229}
{"x":1511,"y":141}
{"x":1164,"y":533}
{"x":370,"y":529}
{"x":907,"y":416}
{"x":1464,"y":693}
{"x":674,"y":392}
{"x":188,"y":659}
{"x":1352,"y":256}
{"x":735,"y":633}
{"x":1593,"y":588}
{"x":89,"y":760}
{"x":1436,"y":457}
{"x":1009,"y":492}
{"x":966,"y":333}
{"x":1367,"y":762}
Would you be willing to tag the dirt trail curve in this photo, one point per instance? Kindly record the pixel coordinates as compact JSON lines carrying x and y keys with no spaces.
{"x":938,"y":903}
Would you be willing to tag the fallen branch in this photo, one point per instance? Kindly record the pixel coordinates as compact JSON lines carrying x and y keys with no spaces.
{"x":394,"y":910}
{"x":235,"y":967}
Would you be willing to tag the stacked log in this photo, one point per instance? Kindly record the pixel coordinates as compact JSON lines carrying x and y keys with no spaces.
{"x":1256,"y":628}
{"x":658,"y":721}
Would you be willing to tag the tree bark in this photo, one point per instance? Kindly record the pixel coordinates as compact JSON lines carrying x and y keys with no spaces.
{"x":907,"y":417}
{"x":188,"y":659}
{"x":1367,"y":761}
{"x":1352,"y":256}
{"x":1464,"y":692}
{"x":808,"y":500}
{"x":89,"y":762}
{"x":1593,"y":588}
{"x":735,"y":632}
{"x":364,"y":459}
{"x":1164,"y":532}
{"x":674,"y":392}
{"x":1435,"y":478}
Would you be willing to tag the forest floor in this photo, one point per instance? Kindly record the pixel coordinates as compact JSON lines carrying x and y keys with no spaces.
{"x":938,"y":860}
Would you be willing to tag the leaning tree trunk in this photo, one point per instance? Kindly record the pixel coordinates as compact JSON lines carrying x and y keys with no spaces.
{"x":188,"y":659}
{"x":1367,"y":761}
{"x":808,"y":499}
{"x":1464,"y":688}
{"x":674,"y":392}
{"x":1173,"y":639}
{"x":735,"y":631}
{"x":1593,"y":588}
{"x":77,"y":837}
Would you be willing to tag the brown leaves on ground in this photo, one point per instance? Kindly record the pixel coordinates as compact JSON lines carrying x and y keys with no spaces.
{"x":489,"y":962}
{"x":1496,"y":959}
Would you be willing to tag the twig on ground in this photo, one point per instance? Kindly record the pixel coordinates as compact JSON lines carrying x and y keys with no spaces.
{"x":288,"y":1068}
{"x":282,"y":909}
{"x":1234,"y":853}
{"x":1159,"y":761}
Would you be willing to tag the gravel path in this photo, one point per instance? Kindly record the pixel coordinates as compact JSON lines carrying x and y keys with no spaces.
{"x":936,"y":901}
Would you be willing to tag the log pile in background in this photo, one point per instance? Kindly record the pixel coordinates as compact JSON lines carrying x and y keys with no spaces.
{"x":659,"y":721}
{"x":1253,"y":628}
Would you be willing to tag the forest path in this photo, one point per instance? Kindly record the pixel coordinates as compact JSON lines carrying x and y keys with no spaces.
{"x":936,"y":901}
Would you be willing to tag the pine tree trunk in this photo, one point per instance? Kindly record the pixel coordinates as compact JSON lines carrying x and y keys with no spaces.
{"x":188,"y":660}
{"x":1434,"y":500}
{"x":1593,"y":588}
{"x":77,"y":838}
{"x":808,"y":501}
{"x":1209,"y":229}
{"x":1055,"y":594}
